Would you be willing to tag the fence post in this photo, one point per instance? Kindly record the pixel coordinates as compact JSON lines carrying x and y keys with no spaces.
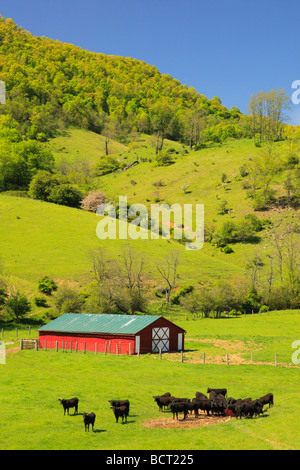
{"x":70,"y":346}
{"x":181,"y":356}
{"x":159,"y":353}
{"x":84,"y":347}
{"x":76,"y":346}
{"x":251,"y":358}
{"x":45,"y":345}
{"x":29,"y":330}
{"x":129,"y":349}
{"x":204,"y":358}
{"x":109,"y":347}
{"x":37,"y":345}
{"x":117,"y":350}
{"x":16,"y":331}
{"x":56,"y":347}
{"x":138,"y":351}
{"x":21,"y":344}
{"x":62,"y":346}
{"x":227,"y":359}
{"x":105,"y":349}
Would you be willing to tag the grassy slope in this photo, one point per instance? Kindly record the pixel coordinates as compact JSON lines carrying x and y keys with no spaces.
{"x":37,"y":380}
{"x":40,"y":238}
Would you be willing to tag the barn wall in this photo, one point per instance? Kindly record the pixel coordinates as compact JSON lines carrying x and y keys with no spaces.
{"x":120,"y":341}
{"x":146,"y":335}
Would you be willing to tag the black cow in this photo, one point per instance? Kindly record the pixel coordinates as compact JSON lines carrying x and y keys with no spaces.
{"x":218,"y":405}
{"x":267,"y":399}
{"x":181,"y":400}
{"x":70,"y":403}
{"x":248,"y":409}
{"x":218,"y":391}
{"x":167,"y":394}
{"x":193,"y":406}
{"x":120,"y":411}
{"x":120,"y":403}
{"x":204,"y":404}
{"x":163,"y":402}
{"x":89,"y":419}
{"x":200,"y":395}
{"x":179,"y":407}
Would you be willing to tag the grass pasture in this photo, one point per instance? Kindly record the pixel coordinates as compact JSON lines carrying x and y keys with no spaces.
{"x":34,"y":419}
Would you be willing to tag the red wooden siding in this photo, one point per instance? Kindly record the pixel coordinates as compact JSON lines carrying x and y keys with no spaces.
{"x":88,"y":341}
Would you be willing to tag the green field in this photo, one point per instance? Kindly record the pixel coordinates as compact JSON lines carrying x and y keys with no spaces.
{"x":36,"y":380}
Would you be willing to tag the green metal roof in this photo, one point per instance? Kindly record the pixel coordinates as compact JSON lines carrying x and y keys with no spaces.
{"x":99,"y":323}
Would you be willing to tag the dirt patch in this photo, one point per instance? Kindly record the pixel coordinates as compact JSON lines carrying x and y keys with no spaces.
{"x":189,"y":422}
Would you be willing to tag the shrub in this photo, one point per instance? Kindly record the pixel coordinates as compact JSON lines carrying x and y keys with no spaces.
{"x":47,"y":285}
{"x":107,"y":165}
{"x":40,"y":301}
{"x":93,"y":200}
{"x":66,"y":195}
{"x":163,"y":158}
{"x":227,"y":249}
{"x":264,"y":308}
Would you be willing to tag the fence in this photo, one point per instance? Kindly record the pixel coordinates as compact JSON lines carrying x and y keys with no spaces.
{"x":107,"y":347}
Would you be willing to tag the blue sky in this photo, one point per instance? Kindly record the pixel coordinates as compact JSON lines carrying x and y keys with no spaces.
{"x":225,"y":48}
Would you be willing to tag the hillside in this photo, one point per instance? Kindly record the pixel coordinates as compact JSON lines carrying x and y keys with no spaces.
{"x":51,"y":85}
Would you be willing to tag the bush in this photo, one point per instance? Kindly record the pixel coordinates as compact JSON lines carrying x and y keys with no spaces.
{"x":264,"y":308}
{"x":227,"y":249}
{"x":66,"y":195}
{"x":163,"y":158}
{"x":182,"y":291}
{"x":107,"y":165}
{"x":40,"y":301}
{"x":47,"y":285}
{"x":93,"y":200}
{"x":234,"y":313}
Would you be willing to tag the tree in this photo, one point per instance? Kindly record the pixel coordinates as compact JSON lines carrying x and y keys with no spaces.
{"x":162,"y":115}
{"x":268,"y":113}
{"x":17,"y":305}
{"x":168,"y":271}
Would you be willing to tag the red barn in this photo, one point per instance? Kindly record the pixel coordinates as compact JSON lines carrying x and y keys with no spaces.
{"x":122,"y":334}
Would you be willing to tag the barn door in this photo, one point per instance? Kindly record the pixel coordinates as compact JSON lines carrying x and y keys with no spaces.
{"x":160,"y":339}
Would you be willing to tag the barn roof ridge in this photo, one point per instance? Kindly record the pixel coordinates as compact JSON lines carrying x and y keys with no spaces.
{"x":99,"y":323}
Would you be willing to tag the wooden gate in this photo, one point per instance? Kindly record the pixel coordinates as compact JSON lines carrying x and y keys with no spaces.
{"x":160,"y":339}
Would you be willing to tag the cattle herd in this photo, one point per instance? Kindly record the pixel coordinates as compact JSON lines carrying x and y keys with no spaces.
{"x":215,"y":402}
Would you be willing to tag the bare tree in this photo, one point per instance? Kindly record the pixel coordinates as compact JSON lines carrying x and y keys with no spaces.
{"x":168,"y":271}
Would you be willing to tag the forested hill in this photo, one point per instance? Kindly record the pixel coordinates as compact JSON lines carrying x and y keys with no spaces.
{"x":51,"y":84}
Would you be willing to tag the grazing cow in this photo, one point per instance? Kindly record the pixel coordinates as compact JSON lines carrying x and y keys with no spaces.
{"x":163,"y":402}
{"x":267,"y":399}
{"x":181,"y":400}
{"x":193,"y":406}
{"x":179,"y":407}
{"x":70,"y":403}
{"x":204,"y":404}
{"x":218,"y":405}
{"x":120,"y":411}
{"x":200,"y":395}
{"x":167,"y":394}
{"x":89,"y":419}
{"x":120,"y":403}
{"x":249,"y":409}
{"x":218,"y":391}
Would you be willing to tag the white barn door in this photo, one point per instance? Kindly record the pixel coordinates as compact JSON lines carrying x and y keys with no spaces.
{"x":160,"y":339}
